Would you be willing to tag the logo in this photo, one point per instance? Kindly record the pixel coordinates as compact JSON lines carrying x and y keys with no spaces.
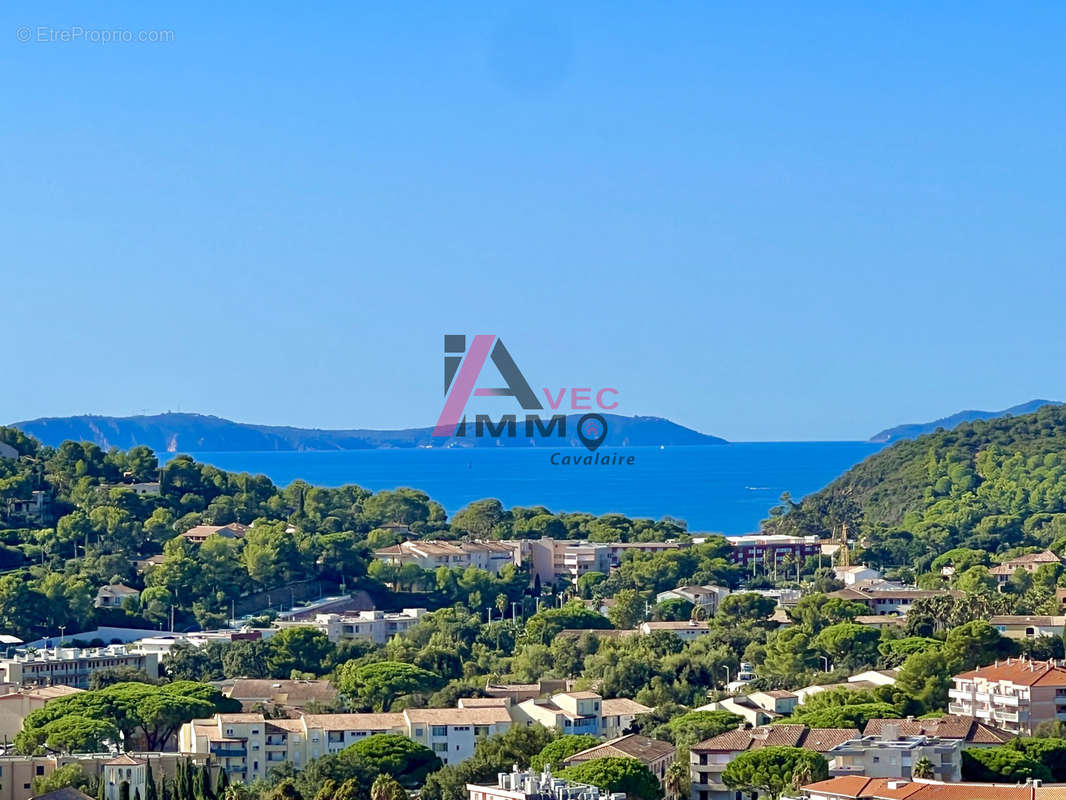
{"x":464,"y":367}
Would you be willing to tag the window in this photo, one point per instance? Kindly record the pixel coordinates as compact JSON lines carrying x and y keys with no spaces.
{"x":440,"y":747}
{"x":40,"y":769}
{"x":439,"y":730}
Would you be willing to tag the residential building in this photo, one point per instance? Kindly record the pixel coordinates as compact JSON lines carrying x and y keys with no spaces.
{"x":656,"y":755}
{"x":1030,"y":563}
{"x":71,"y":666}
{"x":777,"y":701}
{"x":709,"y":758}
{"x":517,"y":692}
{"x":200,"y":533}
{"x":768,"y":550}
{"x":113,"y":595}
{"x":285,"y":694}
{"x":124,"y":769}
{"x":372,"y":626}
{"x":888,"y":597}
{"x":753,"y":714}
{"x":861,"y":681}
{"x":248,"y":745}
{"x":519,"y":785}
{"x":451,"y":733}
{"x":969,"y":731}
{"x":65,"y":793}
{"x":880,"y":621}
{"x":893,"y":755}
{"x":37,"y":508}
{"x":17,"y":772}
{"x":431,"y":554}
{"x":1022,"y":627}
{"x":617,"y":715}
{"x":686,"y":630}
{"x":580,"y":712}
{"x":553,"y":560}
{"x":1015,"y":695}
{"x":854,"y":787}
{"x":852,"y":575}
{"x":706,"y":597}
{"x":16,"y":705}
{"x":569,"y":712}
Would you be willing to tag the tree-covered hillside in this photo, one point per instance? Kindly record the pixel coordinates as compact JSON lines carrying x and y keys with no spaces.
{"x":990,"y":485}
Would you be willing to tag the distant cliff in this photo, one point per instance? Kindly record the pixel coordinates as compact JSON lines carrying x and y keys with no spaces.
{"x":916,"y":429}
{"x":189,"y":433}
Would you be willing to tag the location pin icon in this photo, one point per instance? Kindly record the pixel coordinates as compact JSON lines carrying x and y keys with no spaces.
{"x":592,"y":430}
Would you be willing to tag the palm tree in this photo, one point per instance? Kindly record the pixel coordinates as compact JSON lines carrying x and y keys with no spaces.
{"x":802,"y":775}
{"x":923,"y":768}
{"x":676,"y":782}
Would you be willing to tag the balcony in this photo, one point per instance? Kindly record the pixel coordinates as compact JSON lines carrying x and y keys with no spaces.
{"x":960,"y":709}
{"x":1005,"y":716}
{"x":229,"y":752}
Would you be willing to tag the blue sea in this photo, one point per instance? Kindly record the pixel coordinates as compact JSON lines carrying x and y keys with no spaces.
{"x":726,"y":488}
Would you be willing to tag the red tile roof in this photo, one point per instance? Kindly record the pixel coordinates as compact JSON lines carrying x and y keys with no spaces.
{"x":1021,"y":672}
{"x":967,"y":729}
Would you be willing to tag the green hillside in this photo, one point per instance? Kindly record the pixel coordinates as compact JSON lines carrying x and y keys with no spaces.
{"x":989,"y":485}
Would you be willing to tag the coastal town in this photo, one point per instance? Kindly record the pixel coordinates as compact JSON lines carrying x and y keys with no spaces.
{"x":509,"y":654}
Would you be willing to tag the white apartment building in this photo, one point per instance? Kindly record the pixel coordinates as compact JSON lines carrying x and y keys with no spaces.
{"x":580,"y":712}
{"x":519,"y":785}
{"x":374,"y":626}
{"x":686,"y":630}
{"x":706,"y":597}
{"x":451,"y":733}
{"x":890,"y":755}
{"x":248,"y":745}
{"x":71,"y":666}
{"x":1015,"y":695}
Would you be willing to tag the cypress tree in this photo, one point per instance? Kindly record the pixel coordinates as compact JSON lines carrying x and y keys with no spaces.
{"x":197,"y":784}
{"x":137,"y":793}
{"x":101,"y":787}
{"x":188,"y":788}
{"x":124,"y":790}
{"x":164,"y":788}
{"x":222,"y":783}
{"x":205,"y":783}
{"x":150,"y":792}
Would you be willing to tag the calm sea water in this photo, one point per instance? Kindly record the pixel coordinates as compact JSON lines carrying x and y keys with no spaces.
{"x":726,"y":488}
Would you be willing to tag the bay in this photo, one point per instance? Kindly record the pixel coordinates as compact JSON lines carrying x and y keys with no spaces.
{"x":725,"y":488}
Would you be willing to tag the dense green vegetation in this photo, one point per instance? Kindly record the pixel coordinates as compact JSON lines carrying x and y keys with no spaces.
{"x":988,"y":486}
{"x":99,"y":527}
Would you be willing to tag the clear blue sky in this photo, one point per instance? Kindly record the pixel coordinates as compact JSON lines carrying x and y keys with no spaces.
{"x":772,"y":222}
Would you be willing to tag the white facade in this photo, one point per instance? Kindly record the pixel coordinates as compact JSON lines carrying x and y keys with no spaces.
{"x":373,"y":626}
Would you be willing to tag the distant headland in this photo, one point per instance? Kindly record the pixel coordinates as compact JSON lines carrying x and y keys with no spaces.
{"x":190,"y":433}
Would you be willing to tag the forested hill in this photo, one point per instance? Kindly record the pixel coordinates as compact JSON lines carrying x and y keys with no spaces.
{"x":190,"y":433}
{"x":914,"y":429}
{"x":990,"y":485}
